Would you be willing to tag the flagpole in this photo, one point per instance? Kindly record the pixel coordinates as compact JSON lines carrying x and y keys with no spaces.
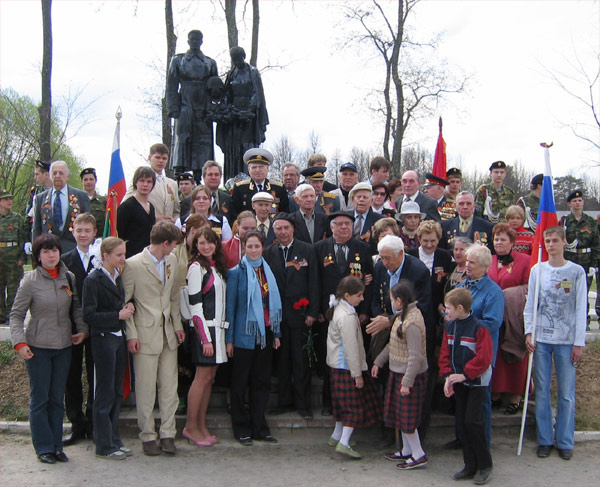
{"x":534,"y":320}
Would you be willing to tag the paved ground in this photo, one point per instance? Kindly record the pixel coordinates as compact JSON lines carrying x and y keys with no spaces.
{"x":302,"y":458}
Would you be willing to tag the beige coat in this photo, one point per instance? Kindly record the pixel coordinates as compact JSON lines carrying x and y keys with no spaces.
{"x":345,"y":349}
{"x":49,"y":302}
{"x":156,"y":317}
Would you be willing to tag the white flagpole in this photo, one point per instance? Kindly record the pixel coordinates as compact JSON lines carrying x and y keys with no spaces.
{"x":535,"y":313}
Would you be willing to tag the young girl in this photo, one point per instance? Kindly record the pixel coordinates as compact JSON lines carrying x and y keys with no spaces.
{"x":354,"y":397}
{"x":407,"y":381}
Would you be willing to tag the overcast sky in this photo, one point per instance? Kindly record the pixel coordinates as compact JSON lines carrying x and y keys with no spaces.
{"x":108,"y":50}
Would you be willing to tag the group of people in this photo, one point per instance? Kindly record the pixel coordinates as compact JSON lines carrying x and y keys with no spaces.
{"x":377,"y":286}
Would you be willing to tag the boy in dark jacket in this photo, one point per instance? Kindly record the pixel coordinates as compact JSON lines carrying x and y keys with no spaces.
{"x":466,"y":363}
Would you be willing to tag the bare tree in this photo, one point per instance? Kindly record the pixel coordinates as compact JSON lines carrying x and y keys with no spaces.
{"x":255,"y":23}
{"x":414,"y":83}
{"x":167,"y":136}
{"x":232,"y":30}
{"x":416,"y":159}
{"x":45,"y":109}
{"x":283,"y":151}
{"x":361,"y":159}
{"x":229,"y":7}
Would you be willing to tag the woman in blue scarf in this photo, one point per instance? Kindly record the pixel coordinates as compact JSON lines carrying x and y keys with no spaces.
{"x":254,"y":316}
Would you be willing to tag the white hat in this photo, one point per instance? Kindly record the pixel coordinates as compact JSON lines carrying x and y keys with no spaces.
{"x":411,"y":208}
{"x":364,"y":186}
{"x":263,"y":196}
{"x":259,"y":156}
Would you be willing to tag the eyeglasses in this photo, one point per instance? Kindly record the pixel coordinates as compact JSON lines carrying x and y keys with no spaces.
{"x":378,"y":193}
{"x":342,"y":224}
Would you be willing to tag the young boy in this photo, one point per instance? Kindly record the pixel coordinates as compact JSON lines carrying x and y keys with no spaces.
{"x":466,"y":363}
{"x":559,"y":332}
{"x":80,"y":262}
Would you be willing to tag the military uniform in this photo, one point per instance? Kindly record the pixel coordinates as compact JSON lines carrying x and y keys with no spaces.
{"x":447,"y":208}
{"x":12,"y":239}
{"x":241,"y":198}
{"x":29,"y":210}
{"x":530,"y":205}
{"x":583,"y":241}
{"x":98,"y":205}
{"x":327,"y":203}
{"x":491,"y":203}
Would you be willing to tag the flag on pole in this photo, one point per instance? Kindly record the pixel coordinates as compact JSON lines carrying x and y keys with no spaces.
{"x":547,"y":212}
{"x":439,"y":161}
{"x":116,"y":182}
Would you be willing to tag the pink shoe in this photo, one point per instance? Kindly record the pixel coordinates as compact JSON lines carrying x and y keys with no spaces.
{"x":206,"y":442}
{"x":214,"y":439}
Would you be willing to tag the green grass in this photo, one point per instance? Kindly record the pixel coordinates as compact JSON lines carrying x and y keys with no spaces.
{"x":7,"y":354}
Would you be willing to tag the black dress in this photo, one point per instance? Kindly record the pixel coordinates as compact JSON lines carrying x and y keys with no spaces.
{"x":134,"y":225}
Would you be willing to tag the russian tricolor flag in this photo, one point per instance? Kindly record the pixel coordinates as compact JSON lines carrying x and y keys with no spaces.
{"x":116,"y":182}
{"x":546,"y":214}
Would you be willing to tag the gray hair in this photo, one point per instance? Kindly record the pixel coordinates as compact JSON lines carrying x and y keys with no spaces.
{"x":481,"y":253}
{"x":465,"y":193}
{"x":60,"y":163}
{"x":463,"y":240}
{"x":291,"y":164}
{"x":302,"y":188}
{"x":391,"y":242}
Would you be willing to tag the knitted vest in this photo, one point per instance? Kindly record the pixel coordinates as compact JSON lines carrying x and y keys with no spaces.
{"x":399,"y":346}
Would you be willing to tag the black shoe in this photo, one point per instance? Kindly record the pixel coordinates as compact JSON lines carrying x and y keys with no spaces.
{"x":305,"y":413}
{"x":61,"y":457}
{"x":279,"y":410}
{"x":482,"y":476}
{"x":463,"y":475}
{"x":267,"y":439}
{"x":453,"y":445}
{"x":565,"y":454}
{"x":496,"y":403}
{"x":246,"y":441}
{"x":543,"y":451}
{"x":47,"y":458}
{"x":326,"y":412}
{"x":73,"y":438}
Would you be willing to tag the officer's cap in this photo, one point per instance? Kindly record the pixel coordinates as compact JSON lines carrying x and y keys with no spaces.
{"x":258,"y":156}
{"x":315,"y":173}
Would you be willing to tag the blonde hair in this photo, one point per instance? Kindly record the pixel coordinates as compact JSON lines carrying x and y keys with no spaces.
{"x":429,"y":226}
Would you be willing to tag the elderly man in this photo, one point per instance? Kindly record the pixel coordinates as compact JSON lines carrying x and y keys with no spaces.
{"x":530,"y":203}
{"x":348,"y":176}
{"x":394,"y":265}
{"x":97,"y":202}
{"x":55,"y":209}
{"x":319,"y":160}
{"x":211,"y":178}
{"x":339,"y":256}
{"x":258,"y":161}
{"x":436,"y":188}
{"x":310,"y":226}
{"x":410,"y":187}
{"x":364,"y":216}
{"x":261,"y":205}
{"x":492,"y":199}
{"x":326,"y":202}
{"x":294,"y":265}
{"x":291,"y":177}
{"x":466,"y":224}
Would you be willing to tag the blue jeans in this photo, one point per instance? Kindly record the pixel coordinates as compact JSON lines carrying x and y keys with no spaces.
{"x":48,"y":370}
{"x":563,"y":433}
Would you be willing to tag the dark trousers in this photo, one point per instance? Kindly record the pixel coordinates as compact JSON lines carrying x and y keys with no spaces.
{"x":323,"y":370}
{"x":293,"y":369}
{"x":109,"y":353}
{"x":251,"y":369}
{"x":469,"y":407}
{"x":82,"y":423}
{"x":47,"y":370}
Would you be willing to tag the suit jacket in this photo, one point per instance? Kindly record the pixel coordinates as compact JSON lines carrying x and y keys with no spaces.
{"x":428,"y":205}
{"x":480,"y":231}
{"x":241,"y":197}
{"x":101,"y":303}
{"x":156,"y":316}
{"x":79,"y":202}
{"x":366,"y":233}
{"x":164,"y":198}
{"x":298,"y":279}
{"x":359,"y":255}
{"x":322,"y":228}
{"x":74,"y":264}
{"x":442,"y":261}
{"x":223,"y":202}
{"x":185,"y":207}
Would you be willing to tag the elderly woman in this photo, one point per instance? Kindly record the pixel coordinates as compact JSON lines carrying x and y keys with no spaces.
{"x":510,"y":270}
{"x":410,"y":215}
{"x":380,"y":201}
{"x":437,"y":261}
{"x":135,"y":216}
{"x":254,"y":317}
{"x":50,"y":295}
{"x":201,"y":204}
{"x":515,"y":217}
{"x":487,"y":307}
{"x":458,"y":269}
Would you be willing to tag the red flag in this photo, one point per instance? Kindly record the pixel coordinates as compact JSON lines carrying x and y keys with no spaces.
{"x":439,"y":161}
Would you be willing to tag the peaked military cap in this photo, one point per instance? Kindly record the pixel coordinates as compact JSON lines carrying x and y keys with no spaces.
{"x":432,"y":179}
{"x":185,"y":176}
{"x":4,"y":193}
{"x":454,"y":171}
{"x":258,"y":156}
{"x":315,"y":173}
{"x":44,"y":166}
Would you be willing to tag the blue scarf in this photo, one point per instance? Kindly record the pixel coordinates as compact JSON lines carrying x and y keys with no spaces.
{"x":255,"y":319}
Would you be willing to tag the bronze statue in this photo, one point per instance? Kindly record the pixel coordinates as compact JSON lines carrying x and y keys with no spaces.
{"x":246,"y":122}
{"x":187,"y":102}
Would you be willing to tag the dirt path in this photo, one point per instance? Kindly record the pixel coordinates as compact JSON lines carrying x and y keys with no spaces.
{"x":302,"y":458}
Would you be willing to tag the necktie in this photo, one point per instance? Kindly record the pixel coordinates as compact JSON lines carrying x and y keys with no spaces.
{"x":258,"y":188}
{"x":57,"y":211}
{"x":358,"y":226}
{"x":215,"y":206}
{"x":285,"y":253}
{"x":262,"y":229}
{"x":464,"y":226}
{"x":340,"y":257}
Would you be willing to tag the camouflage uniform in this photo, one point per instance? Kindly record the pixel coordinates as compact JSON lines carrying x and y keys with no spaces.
{"x":29,"y":210}
{"x":530,"y":205}
{"x":12,"y":239}
{"x":500,"y":201}
{"x":583,"y":242}
{"x":98,"y":205}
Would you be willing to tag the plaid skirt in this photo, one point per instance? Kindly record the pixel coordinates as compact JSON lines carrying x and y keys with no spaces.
{"x":358,"y":408}
{"x":404,"y":412}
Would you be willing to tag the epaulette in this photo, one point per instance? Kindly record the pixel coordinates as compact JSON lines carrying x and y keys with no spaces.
{"x":329,"y":195}
{"x":244,"y":182}
{"x":276,"y":183}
